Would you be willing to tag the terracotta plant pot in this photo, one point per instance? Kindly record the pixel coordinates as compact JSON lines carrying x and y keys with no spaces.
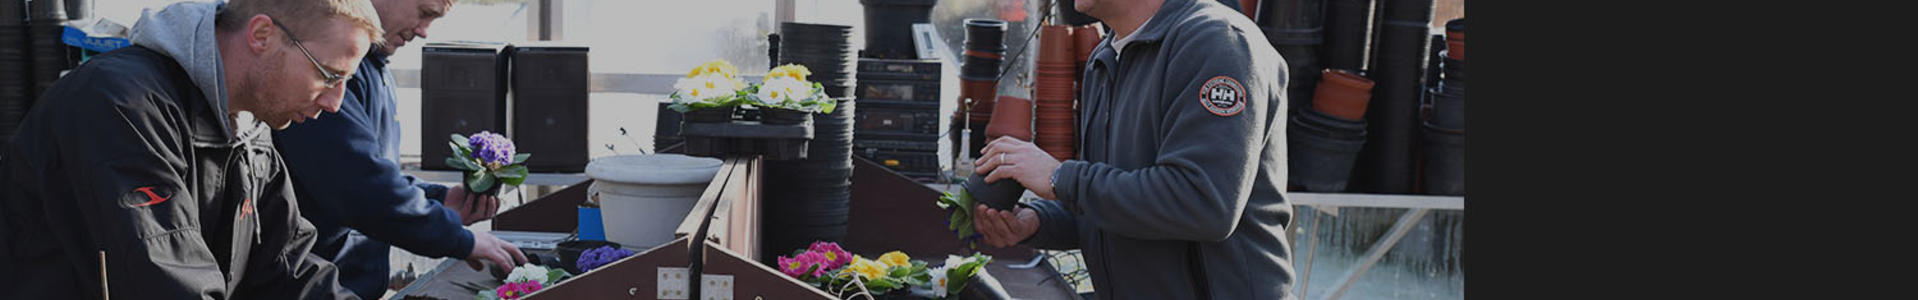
{"x":1342,"y":94}
{"x":980,"y":93}
{"x":1087,"y":37}
{"x":1011,"y":116}
{"x":1455,"y":39}
{"x":1056,"y":45}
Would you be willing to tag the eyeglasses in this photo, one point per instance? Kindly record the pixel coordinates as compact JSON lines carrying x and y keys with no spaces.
{"x":331,"y":79}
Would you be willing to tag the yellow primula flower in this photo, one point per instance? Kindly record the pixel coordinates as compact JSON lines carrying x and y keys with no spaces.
{"x":717,"y":66}
{"x":866,"y":268}
{"x":793,"y":71}
{"x":896,"y":259}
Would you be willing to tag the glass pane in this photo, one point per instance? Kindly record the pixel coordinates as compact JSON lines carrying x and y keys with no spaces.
{"x":1424,"y":264}
{"x":670,"y":37}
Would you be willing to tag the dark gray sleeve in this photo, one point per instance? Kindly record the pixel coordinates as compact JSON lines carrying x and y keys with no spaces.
{"x":1198,"y":185}
{"x":1058,"y":229}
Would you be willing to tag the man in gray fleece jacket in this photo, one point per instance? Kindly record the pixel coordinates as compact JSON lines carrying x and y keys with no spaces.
{"x":1176,"y":192}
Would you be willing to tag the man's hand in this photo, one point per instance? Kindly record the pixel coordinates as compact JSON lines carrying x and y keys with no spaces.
{"x":1002,"y":228}
{"x":486,"y":247}
{"x":471,"y":207}
{"x":1009,"y":157}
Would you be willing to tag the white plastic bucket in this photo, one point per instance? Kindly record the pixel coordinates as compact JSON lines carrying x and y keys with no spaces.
{"x":643,"y":198}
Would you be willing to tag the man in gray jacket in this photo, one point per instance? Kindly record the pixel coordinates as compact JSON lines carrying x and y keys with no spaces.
{"x":1177,"y":189}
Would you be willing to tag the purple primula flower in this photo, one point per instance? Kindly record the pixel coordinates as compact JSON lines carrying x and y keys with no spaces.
{"x":492,"y":149}
{"x":598,"y":257}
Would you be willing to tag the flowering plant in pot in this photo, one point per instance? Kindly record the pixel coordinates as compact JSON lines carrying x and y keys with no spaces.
{"x":893,"y":275}
{"x":709,"y":93}
{"x":787,"y":97}
{"x":525,"y":280}
{"x":489,"y":161}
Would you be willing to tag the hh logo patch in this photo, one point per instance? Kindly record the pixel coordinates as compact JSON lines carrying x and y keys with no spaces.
{"x":1223,"y":96}
{"x":147,"y":196}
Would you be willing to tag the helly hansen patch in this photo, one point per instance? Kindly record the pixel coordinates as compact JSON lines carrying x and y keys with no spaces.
{"x":1223,"y":96}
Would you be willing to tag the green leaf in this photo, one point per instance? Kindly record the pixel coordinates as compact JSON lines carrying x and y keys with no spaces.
{"x":554,"y":275}
{"x":479,"y":184}
{"x":513,"y":171}
{"x":457,"y":148}
{"x":513,"y":181}
{"x":462,"y":163}
{"x":460,"y":139}
{"x":521,"y":158}
{"x":897,"y":272}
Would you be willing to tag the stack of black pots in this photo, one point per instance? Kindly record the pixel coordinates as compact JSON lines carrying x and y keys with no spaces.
{"x":1389,"y":161}
{"x":807,"y":200}
{"x":1296,"y":29}
{"x":16,"y":95}
{"x":49,"y":55}
{"x":979,"y":81}
{"x":1348,"y":34}
{"x":824,"y":49}
{"x":1444,"y":126}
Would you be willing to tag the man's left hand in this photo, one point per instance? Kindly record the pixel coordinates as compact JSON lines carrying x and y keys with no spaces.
{"x":1009,"y":157}
{"x":471,"y":207}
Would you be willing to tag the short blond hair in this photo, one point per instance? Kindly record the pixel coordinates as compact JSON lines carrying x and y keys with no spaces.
{"x":303,"y":15}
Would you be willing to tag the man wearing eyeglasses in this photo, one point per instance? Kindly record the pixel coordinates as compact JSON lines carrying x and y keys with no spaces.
{"x":346,"y":170}
{"x":149,"y":172}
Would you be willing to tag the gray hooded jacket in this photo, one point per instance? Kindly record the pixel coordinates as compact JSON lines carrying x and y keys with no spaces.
{"x":127,"y":165}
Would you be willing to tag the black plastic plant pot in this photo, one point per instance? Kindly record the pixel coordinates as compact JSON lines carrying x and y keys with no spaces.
{"x":1328,"y":125}
{"x":782,"y":116}
{"x":1348,"y":29}
{"x":1444,"y":161}
{"x":1002,"y":195}
{"x":1448,"y":108}
{"x":710,"y":115}
{"x":985,"y":35}
{"x":1318,"y":162}
{"x":569,"y":252}
{"x":783,"y":149}
{"x":1453,"y":69}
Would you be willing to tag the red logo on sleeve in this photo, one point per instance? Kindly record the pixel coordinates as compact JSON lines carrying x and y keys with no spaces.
{"x":152,"y":198}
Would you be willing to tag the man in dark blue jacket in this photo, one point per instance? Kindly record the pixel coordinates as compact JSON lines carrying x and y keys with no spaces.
{"x":345,"y":167}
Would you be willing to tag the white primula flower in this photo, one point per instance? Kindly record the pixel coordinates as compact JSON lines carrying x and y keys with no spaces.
{"x":706,"y":86}
{"x":938,"y":281}
{"x":954,"y":261}
{"x":780,"y":90}
{"x":528,"y":273}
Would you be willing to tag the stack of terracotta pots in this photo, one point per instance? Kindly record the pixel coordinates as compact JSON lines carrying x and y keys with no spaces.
{"x":1011,"y":116}
{"x":1055,"y":87}
{"x":1086,"y":39}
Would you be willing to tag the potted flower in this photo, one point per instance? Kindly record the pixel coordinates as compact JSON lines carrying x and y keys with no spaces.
{"x":709,"y":93}
{"x":489,"y":162}
{"x":525,"y":280}
{"x":786,"y":97}
{"x":893,"y":275}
